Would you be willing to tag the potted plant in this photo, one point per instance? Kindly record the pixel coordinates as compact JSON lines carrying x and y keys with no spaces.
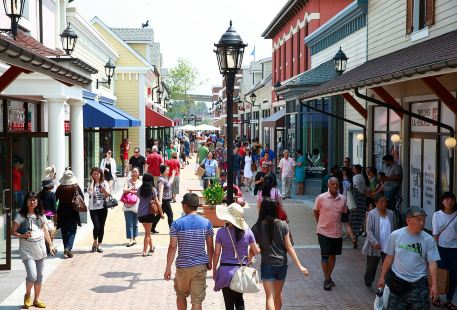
{"x":213,"y":194}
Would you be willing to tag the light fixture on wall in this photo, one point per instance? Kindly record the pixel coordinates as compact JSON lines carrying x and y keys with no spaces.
{"x":360,"y":137}
{"x":340,"y":61}
{"x":395,"y":138}
{"x":109,"y":71}
{"x":450,"y":142}
{"x":68,"y":38}
{"x":14,"y":9}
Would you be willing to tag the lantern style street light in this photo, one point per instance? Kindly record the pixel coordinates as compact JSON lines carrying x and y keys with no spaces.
{"x":109,"y":72}
{"x":159,"y":95}
{"x":229,"y":51}
{"x":68,"y":38}
{"x":340,"y":61}
{"x":14,"y":9}
{"x":253,"y":97}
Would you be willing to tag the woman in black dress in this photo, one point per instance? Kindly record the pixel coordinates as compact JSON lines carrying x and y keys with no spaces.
{"x":108,"y":166}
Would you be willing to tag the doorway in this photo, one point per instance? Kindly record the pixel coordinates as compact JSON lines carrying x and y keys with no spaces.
{"x":5,"y":205}
{"x":423,"y":176}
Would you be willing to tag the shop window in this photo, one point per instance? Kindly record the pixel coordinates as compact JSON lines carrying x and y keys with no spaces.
{"x":419,"y":15}
{"x":385,"y":123}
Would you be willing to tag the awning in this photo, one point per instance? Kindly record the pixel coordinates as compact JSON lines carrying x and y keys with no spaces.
{"x":275,"y":120}
{"x":429,"y":56}
{"x":96,"y":114}
{"x":155,"y":119}
{"x":133,"y":122}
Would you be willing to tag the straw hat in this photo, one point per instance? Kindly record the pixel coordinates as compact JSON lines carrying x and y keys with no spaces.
{"x":68,"y":178}
{"x":233,"y":214}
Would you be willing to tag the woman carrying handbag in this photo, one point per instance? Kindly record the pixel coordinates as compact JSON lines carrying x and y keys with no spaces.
{"x":232,"y":245}
{"x":98,"y":190}
{"x":130,"y":200}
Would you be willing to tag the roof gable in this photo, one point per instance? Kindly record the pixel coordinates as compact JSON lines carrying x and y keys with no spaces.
{"x":142,"y":61}
{"x":135,"y":34}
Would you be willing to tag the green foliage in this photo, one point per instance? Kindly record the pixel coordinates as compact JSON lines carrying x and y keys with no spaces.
{"x":181,"y":79}
{"x":214,"y":193}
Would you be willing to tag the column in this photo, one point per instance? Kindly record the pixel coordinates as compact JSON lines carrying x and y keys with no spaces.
{"x":56,"y":134}
{"x":77,"y":140}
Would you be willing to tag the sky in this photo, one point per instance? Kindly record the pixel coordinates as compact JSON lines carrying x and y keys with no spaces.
{"x":188,"y":28}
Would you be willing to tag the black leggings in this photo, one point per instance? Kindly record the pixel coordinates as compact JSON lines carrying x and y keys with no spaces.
{"x":232,"y":299}
{"x":166,"y":208}
{"x":98,"y":218}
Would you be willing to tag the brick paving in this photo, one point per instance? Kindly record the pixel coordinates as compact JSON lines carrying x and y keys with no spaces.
{"x":120,"y":278}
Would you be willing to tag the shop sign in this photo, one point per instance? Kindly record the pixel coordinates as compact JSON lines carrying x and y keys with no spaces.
{"x":415,"y":173}
{"x":426,"y":109}
{"x":16,"y":119}
{"x":429,"y":179}
{"x":67,"y":126}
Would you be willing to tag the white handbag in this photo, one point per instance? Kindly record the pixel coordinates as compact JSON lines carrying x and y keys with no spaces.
{"x":245,"y":279}
{"x":350,"y":200}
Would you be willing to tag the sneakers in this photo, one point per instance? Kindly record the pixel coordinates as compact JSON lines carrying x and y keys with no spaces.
{"x":68,"y":253}
{"x":331,"y":282}
{"x":39,"y":304}
{"x":27,"y":301}
{"x":99,"y":250}
{"x":327,"y":285}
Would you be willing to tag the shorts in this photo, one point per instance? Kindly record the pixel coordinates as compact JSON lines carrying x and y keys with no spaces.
{"x":330,"y":246}
{"x":146,"y":218}
{"x":191,"y":281}
{"x":273,"y":273}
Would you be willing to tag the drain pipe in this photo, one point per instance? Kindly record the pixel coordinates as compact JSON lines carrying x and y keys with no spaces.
{"x":420,"y":117}
{"x":364,"y":128}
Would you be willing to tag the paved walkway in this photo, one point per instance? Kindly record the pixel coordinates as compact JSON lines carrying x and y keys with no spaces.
{"x":120,"y":278}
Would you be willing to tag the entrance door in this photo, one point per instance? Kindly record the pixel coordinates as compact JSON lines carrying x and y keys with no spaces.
{"x":5,"y":207}
{"x":422,"y":177}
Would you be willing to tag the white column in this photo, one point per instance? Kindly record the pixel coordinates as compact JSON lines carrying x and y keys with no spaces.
{"x":77,"y":139}
{"x":142,"y":112}
{"x":56,"y":134}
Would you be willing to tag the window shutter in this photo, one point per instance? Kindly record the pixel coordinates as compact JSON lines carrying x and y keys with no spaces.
{"x":409,"y":16}
{"x":430,"y":13}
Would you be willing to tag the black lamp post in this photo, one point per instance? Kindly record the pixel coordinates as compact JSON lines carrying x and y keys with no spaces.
{"x":194,"y":118}
{"x":68,"y":38}
{"x":252,"y":98}
{"x":14,"y":9}
{"x":109,"y":71}
{"x":340,"y":61}
{"x":229,"y":51}
{"x":159,"y":95}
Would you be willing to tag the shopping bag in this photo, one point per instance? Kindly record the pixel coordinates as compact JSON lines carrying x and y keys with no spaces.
{"x":200,"y":171}
{"x":350,"y":200}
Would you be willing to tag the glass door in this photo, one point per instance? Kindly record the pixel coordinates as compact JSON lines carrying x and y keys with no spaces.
{"x":5,"y":207}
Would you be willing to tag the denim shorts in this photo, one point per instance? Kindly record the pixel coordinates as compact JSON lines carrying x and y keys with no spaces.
{"x":273,"y":273}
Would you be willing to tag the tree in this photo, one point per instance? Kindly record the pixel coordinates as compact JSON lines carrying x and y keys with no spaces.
{"x":181,"y":80}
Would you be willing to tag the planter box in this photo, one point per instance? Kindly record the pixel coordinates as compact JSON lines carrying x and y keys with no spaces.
{"x":210,"y":213}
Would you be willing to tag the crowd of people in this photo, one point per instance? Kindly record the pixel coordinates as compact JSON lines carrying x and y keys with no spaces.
{"x":354,"y":202}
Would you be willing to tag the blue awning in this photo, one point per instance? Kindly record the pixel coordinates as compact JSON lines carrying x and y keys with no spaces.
{"x":98,"y":115}
{"x":132,"y":120}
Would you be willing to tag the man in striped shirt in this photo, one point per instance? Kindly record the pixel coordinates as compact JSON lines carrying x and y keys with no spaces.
{"x":189,"y":235}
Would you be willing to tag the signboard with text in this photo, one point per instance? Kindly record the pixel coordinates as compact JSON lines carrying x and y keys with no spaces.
{"x":426,"y":109}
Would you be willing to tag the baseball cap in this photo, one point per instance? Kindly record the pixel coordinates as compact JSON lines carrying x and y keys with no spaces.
{"x":190,"y":199}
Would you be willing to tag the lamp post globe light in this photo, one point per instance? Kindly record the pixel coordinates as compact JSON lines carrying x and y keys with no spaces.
{"x":14,"y":9}
{"x":68,"y":38}
{"x":340,"y":61}
{"x":229,"y":51}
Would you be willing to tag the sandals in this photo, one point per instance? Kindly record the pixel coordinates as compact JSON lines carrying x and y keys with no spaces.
{"x":448,"y":305}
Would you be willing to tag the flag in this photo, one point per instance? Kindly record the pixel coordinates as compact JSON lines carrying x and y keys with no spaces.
{"x":253,"y":52}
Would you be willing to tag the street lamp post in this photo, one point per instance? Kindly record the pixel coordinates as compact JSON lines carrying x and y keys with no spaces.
{"x":194,"y":118}
{"x":252,"y":98}
{"x":229,"y":51}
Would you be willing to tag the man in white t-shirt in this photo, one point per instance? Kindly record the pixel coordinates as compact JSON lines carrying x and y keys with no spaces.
{"x":286,"y":166}
{"x":410,"y":251}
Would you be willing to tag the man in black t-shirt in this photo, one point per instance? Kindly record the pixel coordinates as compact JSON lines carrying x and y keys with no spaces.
{"x":137,"y":161}
{"x":258,"y":179}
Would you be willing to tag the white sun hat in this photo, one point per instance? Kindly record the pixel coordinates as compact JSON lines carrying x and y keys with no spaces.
{"x":233,"y":214}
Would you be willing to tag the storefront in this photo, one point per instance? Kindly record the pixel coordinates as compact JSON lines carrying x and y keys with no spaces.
{"x":105,"y":127}
{"x":159,"y":127}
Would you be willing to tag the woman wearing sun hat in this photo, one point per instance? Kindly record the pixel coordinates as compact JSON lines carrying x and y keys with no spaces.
{"x":67,"y":218}
{"x":236,"y":229}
